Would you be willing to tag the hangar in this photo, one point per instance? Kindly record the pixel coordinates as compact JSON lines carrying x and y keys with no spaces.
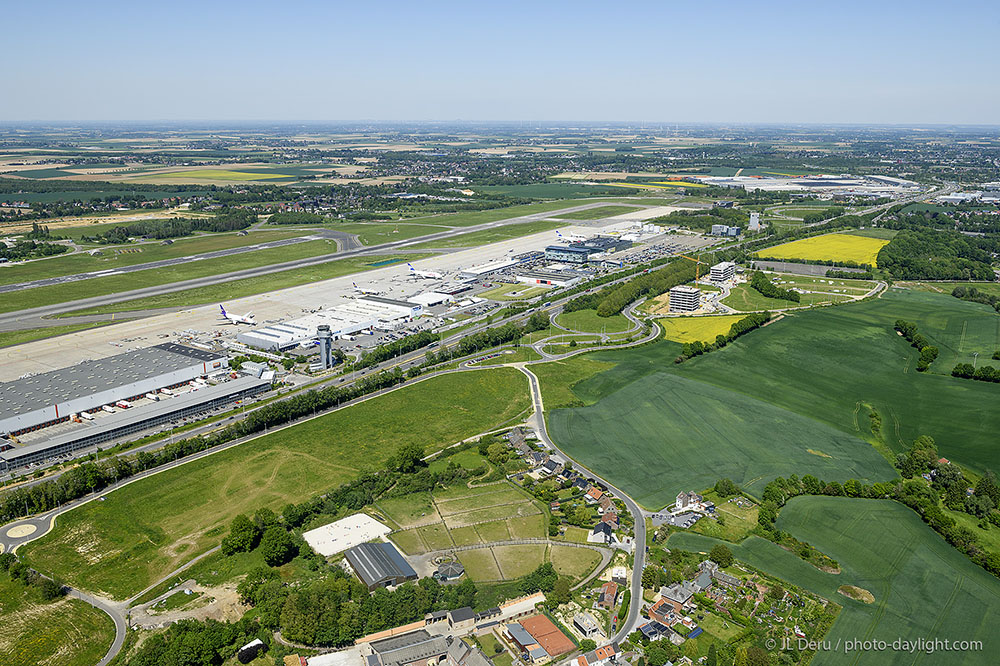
{"x":379,"y":565}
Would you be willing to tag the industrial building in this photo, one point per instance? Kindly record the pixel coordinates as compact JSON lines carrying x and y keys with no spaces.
{"x":379,"y":565}
{"x":108,"y":427}
{"x":722,"y":271}
{"x":580,"y":252}
{"x":754,"y":221}
{"x":416,"y":648}
{"x":549,"y":278}
{"x":42,"y":400}
{"x":482,"y":270}
{"x":684,"y":299}
{"x":725,"y":230}
{"x":359,"y":314}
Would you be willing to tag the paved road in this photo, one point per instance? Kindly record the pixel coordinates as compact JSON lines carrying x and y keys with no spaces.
{"x":29,"y":318}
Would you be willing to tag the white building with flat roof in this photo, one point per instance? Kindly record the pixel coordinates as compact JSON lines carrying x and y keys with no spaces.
{"x":725,"y":270}
{"x":684,"y":298}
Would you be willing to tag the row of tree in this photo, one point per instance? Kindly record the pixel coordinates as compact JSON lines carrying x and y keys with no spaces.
{"x":973,"y":294}
{"x":398,"y":348}
{"x":984,"y":373}
{"x":742,"y":327}
{"x":928,"y":352}
{"x":766,"y":288}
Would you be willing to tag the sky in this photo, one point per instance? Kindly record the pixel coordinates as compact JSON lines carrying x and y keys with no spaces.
{"x":875,"y":62}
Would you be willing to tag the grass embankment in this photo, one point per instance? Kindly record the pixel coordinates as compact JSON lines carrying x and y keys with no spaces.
{"x":66,"y":632}
{"x":922,"y":587}
{"x":112,"y":548}
{"x":293,"y":277}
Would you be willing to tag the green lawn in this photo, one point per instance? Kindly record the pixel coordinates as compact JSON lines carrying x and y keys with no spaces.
{"x":111,"y":548}
{"x":118,"y":256}
{"x":376,"y":233}
{"x":923,"y":587}
{"x":597,"y":213}
{"x":513,"y":292}
{"x":245,"y":287}
{"x":745,"y":298}
{"x":487,"y":236}
{"x":576,"y":563}
{"x":112,"y":284}
{"x":67,"y":632}
{"x":587,"y":321}
{"x":520,"y":560}
{"x":11,"y":338}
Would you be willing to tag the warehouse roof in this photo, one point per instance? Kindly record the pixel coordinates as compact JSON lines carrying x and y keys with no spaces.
{"x":375,"y":562}
{"x":417,"y":645}
{"x":129,"y":417}
{"x":49,"y":388}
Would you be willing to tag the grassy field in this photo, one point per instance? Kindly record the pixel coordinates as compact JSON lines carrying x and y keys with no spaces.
{"x":745,"y":298}
{"x":110,"y":548}
{"x":376,"y":233}
{"x":596,"y":213}
{"x":247,"y":286}
{"x":510,"y":562}
{"x":947,"y":287}
{"x":112,"y":284}
{"x":833,"y":247}
{"x":685,"y":435}
{"x":513,"y":292}
{"x":11,"y":338}
{"x":587,"y":321}
{"x":923,"y":587}
{"x":67,"y":632}
{"x":689,"y":329}
{"x":117,"y":256}
{"x":805,"y":383}
{"x":487,"y":236}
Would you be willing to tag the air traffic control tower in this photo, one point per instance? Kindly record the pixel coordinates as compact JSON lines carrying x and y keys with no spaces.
{"x":325,"y":337}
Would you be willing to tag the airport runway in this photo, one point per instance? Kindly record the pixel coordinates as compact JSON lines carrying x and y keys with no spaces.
{"x":24,"y":319}
{"x":345,"y":241}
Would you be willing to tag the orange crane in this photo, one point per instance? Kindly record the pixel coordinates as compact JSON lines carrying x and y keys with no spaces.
{"x":697,"y":265}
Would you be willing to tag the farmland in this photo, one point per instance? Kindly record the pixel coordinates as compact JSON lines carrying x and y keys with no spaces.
{"x":67,"y":632}
{"x":885,"y":548}
{"x":800,"y":389}
{"x":110,"y":548}
{"x":829,"y":247}
{"x":702,"y":329}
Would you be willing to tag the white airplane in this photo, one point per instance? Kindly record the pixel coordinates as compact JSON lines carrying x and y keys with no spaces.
{"x":570,"y":237}
{"x":424,"y":275}
{"x":236,"y":319}
{"x":366,"y":292}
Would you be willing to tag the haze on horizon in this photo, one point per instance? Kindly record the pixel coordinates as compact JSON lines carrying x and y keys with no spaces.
{"x":784,"y":62}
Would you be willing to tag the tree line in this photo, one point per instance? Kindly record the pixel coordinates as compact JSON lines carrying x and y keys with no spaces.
{"x":397,"y":348}
{"x":741,"y":327}
{"x":973,"y":294}
{"x":611,"y":300}
{"x":928,"y":352}
{"x":929,"y":254}
{"x":30,"y":249}
{"x":765,"y":287}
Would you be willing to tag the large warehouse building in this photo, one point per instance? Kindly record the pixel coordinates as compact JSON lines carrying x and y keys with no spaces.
{"x":42,"y":400}
{"x":59,"y":412}
{"x":346,"y":318}
{"x":379,"y":565}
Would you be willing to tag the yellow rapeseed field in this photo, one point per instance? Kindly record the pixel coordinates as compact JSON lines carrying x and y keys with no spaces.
{"x":703,"y":329}
{"x":832,"y":247}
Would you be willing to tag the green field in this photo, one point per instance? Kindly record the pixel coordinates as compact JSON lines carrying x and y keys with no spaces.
{"x":587,"y":321}
{"x":100,"y":286}
{"x":487,"y":236}
{"x":545,"y":190}
{"x":683,"y":434}
{"x":110,"y":548}
{"x":923,"y":587}
{"x":117,"y":256}
{"x":67,"y":632}
{"x":513,"y":292}
{"x":376,"y":233}
{"x":248,"y":286}
{"x":511,"y":562}
{"x":804,"y":383}
{"x":11,"y":338}
{"x":745,"y":298}
{"x":597,"y":213}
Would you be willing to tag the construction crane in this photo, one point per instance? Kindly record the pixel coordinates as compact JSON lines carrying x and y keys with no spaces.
{"x":697,"y":265}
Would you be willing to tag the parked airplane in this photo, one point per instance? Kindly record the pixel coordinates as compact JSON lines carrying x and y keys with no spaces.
{"x":570,"y":237}
{"x":237,"y":319}
{"x":424,"y":275}
{"x":366,"y":292}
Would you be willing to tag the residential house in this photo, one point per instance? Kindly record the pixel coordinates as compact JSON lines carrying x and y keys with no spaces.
{"x":461,"y":619}
{"x":605,"y":504}
{"x":677,"y":595}
{"x":602,"y":533}
{"x":609,"y":595}
{"x":593,"y":495}
{"x":605,"y":654}
{"x":720,"y":577}
{"x":654,"y":630}
{"x":611,"y":518}
{"x":461,"y":654}
{"x":587,"y":625}
{"x":663,"y":612}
